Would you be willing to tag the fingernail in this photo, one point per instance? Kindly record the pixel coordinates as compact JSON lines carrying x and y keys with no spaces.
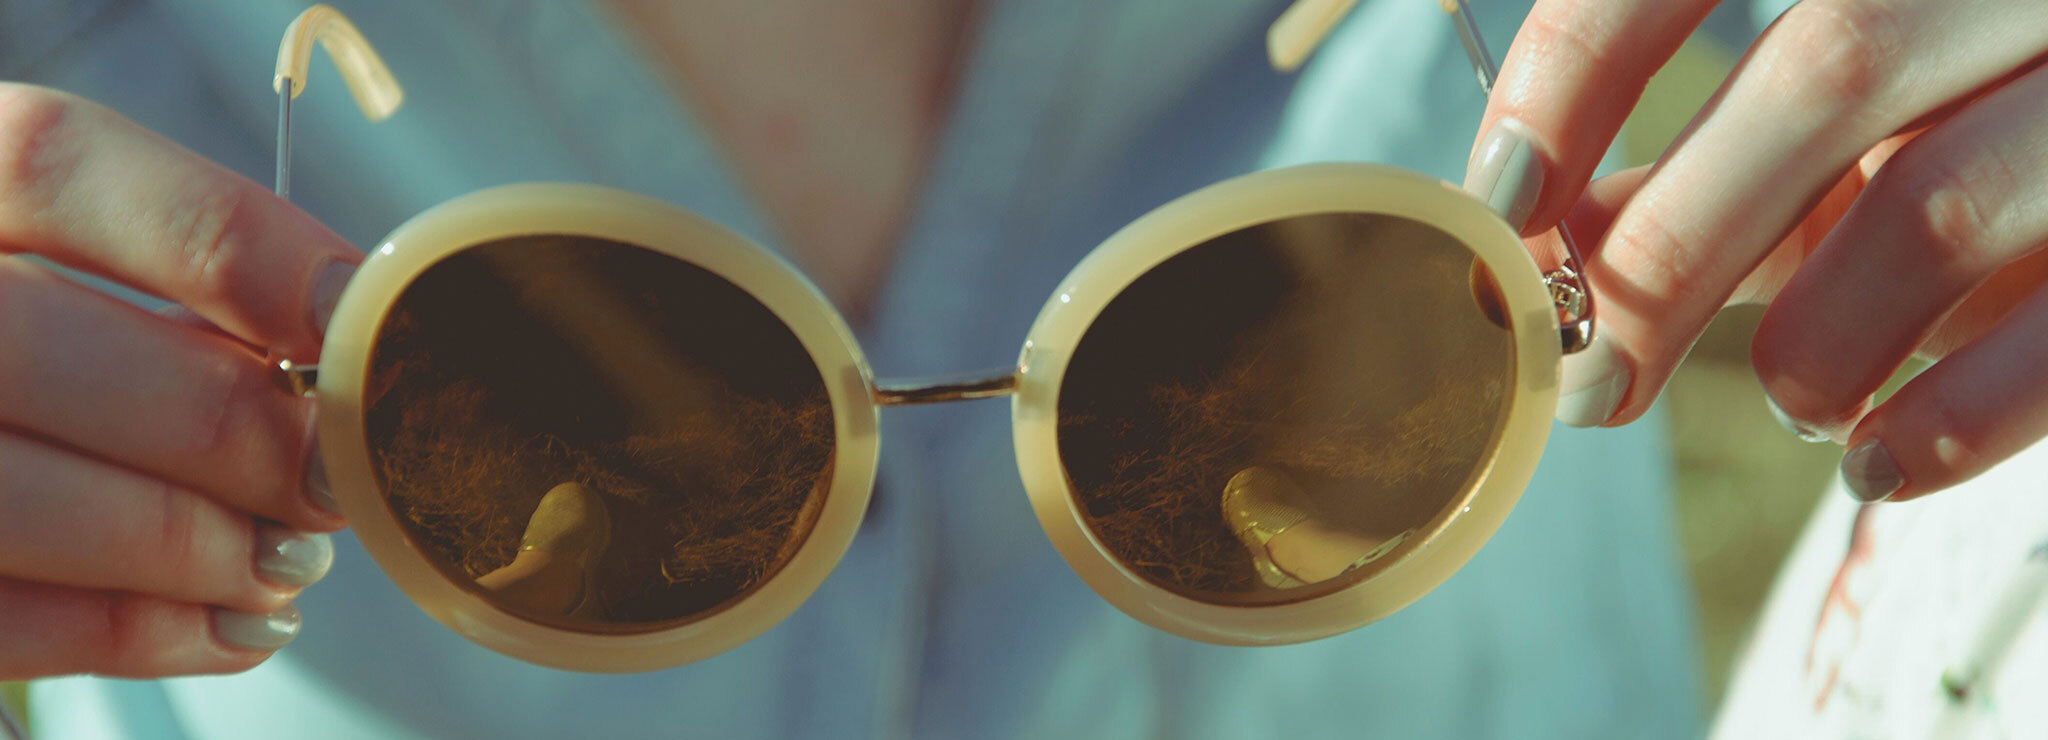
{"x":290,"y":558}
{"x":1593,"y":384}
{"x":264,"y":632}
{"x":1506,"y":173}
{"x":1796,"y":427}
{"x":1870,"y":472}
{"x":327,"y":285}
{"x":316,"y":480}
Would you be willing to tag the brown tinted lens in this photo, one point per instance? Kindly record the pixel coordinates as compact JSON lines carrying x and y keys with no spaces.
{"x":1269,"y":414}
{"x":594,"y":435}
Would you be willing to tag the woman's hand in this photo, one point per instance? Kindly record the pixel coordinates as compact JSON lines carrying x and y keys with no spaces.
{"x":157,"y":489}
{"x":1875,"y":169}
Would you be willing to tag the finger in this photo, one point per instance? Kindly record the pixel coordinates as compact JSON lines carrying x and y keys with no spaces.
{"x":1573,"y":73}
{"x":107,"y":378}
{"x":72,"y":521}
{"x":54,"y":631}
{"x":1589,"y":218}
{"x":85,"y":187}
{"x":1592,"y":215}
{"x":1752,"y":166}
{"x":1603,"y":200}
{"x":1987,"y":305}
{"x":1946,"y":212}
{"x":1981,"y":405}
{"x":187,"y":318}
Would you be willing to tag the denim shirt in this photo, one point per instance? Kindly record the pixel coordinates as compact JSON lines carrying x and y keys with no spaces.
{"x":951,"y":616}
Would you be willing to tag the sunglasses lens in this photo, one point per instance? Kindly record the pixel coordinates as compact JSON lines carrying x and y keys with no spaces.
{"x":593,"y":435}
{"x":1282,"y":411}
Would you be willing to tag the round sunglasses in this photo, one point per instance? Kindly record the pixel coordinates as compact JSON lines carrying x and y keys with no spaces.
{"x":597,"y":432}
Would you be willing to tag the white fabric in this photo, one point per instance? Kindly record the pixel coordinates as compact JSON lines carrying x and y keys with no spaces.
{"x":1937,"y":570}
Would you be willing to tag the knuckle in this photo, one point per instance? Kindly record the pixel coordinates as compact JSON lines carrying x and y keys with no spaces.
{"x":225,"y":386}
{"x":1652,"y":255}
{"x":210,"y":255}
{"x":143,"y":637}
{"x":126,"y":634}
{"x":175,"y":550}
{"x":36,"y":146}
{"x":1951,"y":205}
{"x":1560,"y":32}
{"x":1836,"y":54}
{"x":1954,"y":439}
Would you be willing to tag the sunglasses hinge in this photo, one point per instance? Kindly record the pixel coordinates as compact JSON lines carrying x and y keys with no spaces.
{"x":296,"y":378}
{"x":1575,"y":318}
{"x":989,"y":383}
{"x":1572,"y":293}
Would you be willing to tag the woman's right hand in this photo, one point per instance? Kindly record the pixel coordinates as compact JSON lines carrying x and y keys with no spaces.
{"x":1871,"y":169}
{"x":161,"y":503}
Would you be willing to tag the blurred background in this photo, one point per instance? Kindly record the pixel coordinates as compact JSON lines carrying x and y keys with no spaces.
{"x":1745,"y":486}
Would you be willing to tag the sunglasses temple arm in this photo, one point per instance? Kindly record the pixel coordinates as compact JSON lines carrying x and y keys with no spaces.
{"x":369,"y":81}
{"x":1475,"y":47}
{"x":282,"y":182}
{"x":1568,"y":286}
{"x":1301,"y":28}
{"x":375,"y":91}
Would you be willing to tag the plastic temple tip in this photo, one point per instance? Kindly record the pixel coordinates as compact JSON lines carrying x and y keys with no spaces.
{"x":369,"y":81}
{"x":1301,"y":29}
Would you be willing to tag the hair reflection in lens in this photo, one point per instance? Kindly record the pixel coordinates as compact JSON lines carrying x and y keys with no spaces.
{"x":594,"y":435}
{"x":1275,"y":413}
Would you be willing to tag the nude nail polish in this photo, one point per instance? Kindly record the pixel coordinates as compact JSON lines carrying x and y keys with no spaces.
{"x":290,"y":558}
{"x":1871,"y":472}
{"x":264,"y":632}
{"x":1593,"y":384}
{"x":1506,"y":172}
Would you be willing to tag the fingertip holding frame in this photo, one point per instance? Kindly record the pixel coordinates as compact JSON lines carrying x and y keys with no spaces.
{"x":1962,"y":417}
{"x":370,"y":82}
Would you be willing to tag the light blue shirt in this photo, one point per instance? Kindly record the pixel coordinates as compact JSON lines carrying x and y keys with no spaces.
{"x":952,"y":616}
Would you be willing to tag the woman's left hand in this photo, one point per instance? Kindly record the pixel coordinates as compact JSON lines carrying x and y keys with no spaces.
{"x":1877,"y":170}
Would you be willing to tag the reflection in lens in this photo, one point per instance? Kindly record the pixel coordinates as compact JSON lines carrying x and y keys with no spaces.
{"x":593,"y":435}
{"x":1275,"y":413}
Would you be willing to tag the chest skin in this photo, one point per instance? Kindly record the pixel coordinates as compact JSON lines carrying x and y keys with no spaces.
{"x":828,"y":113}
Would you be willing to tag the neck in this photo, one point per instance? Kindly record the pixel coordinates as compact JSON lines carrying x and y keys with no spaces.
{"x":826,"y":112}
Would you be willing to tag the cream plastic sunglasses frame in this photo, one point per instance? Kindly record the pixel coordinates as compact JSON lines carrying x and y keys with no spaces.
{"x":584,"y":210}
{"x":1445,"y":544}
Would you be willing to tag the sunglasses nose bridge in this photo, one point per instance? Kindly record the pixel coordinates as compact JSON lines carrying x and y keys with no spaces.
{"x":990,"y":383}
